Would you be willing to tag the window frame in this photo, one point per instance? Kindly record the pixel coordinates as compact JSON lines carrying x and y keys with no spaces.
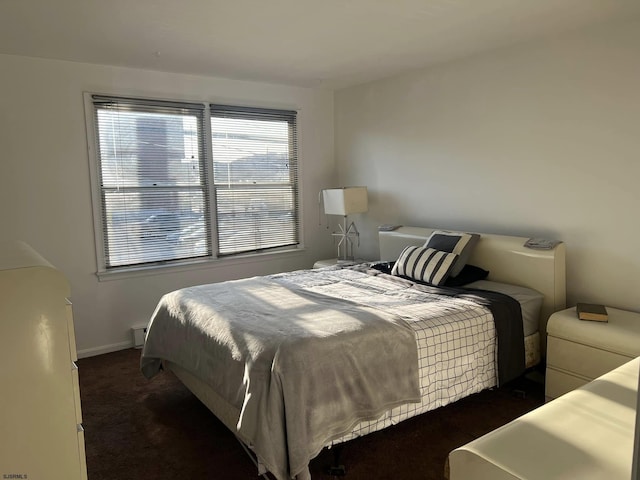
{"x":210,"y":260}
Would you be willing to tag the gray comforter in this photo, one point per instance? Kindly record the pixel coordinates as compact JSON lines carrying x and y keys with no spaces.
{"x":303,"y":367}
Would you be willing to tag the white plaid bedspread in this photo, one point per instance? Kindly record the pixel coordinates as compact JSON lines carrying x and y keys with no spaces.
{"x":456,"y":338}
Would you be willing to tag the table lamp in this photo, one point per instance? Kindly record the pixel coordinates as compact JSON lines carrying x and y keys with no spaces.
{"x":345,"y":201}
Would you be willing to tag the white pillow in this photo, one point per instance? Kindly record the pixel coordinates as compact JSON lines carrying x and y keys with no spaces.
{"x":459,"y":243}
{"x":530,"y":301}
{"x":424,"y":265}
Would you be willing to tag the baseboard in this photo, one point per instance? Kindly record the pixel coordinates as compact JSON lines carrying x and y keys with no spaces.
{"x":114,"y":347}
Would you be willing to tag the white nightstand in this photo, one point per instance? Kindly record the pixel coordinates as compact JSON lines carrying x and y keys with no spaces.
{"x":579,"y":351}
{"x":329,"y":262}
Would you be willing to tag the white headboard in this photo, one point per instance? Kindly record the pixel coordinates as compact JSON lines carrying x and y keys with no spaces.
{"x":507,"y":260}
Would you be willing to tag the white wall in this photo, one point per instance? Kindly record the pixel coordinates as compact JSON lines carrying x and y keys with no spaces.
{"x":541,"y":139}
{"x":45,"y":189}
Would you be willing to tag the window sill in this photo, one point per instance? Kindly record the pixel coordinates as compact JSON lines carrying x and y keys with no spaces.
{"x":196,"y":264}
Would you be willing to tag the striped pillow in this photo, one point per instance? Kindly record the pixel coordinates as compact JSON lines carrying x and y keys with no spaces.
{"x":424,"y":265}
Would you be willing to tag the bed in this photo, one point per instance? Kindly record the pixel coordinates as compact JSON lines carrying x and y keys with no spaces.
{"x":298,"y":361}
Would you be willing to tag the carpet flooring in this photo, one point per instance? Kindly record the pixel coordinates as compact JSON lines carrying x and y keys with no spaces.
{"x":157,"y":430}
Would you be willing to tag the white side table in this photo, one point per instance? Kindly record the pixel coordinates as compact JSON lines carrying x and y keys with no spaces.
{"x":579,"y":351}
{"x":329,"y":262}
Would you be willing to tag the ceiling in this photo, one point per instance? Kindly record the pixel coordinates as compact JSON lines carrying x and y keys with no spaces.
{"x":321,"y":43}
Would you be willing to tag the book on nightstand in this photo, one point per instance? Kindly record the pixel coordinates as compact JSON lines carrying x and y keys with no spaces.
{"x":592,"y":311}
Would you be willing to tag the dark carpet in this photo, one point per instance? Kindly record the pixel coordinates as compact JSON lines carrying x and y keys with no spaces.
{"x":157,"y":430}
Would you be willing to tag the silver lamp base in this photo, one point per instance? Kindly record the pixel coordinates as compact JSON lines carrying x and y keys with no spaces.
{"x":347,"y":235}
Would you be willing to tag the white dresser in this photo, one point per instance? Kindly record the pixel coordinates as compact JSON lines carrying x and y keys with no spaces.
{"x":579,"y":350}
{"x":587,"y":434}
{"x":41,"y":435}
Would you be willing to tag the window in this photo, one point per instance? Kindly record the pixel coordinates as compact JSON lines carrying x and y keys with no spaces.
{"x":255,"y":176}
{"x":179,"y":181}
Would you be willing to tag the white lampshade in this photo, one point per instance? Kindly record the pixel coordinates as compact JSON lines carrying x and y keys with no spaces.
{"x":345,"y":201}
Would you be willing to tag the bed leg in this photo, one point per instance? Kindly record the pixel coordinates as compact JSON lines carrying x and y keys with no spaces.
{"x":261,"y":470}
{"x":337,"y":470}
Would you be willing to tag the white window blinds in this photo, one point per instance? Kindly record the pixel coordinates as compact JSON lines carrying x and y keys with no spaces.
{"x":256,"y":178}
{"x":157,"y":184}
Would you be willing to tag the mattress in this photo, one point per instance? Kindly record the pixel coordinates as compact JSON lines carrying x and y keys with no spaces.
{"x":529,"y":299}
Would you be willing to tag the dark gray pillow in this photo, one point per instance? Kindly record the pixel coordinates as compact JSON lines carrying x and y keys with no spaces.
{"x":470,"y":273}
{"x":460,"y":243}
